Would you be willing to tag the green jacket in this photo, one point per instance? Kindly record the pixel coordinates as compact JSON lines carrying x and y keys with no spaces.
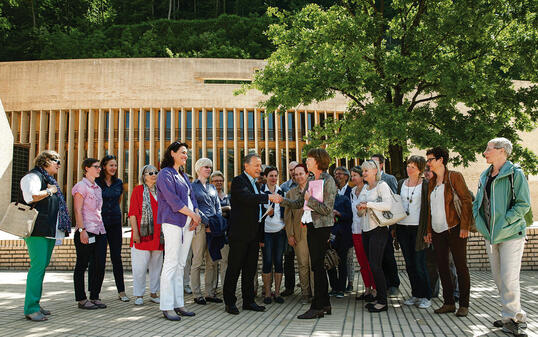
{"x":507,"y":221}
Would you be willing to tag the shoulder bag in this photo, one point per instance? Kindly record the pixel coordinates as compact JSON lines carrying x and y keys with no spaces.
{"x":457,"y":206}
{"x":394,"y":215}
{"x":19,"y":219}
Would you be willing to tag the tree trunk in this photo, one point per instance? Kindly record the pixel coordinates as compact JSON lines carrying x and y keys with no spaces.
{"x":396,"y":162}
{"x":169,"y":8}
{"x":33,"y":13}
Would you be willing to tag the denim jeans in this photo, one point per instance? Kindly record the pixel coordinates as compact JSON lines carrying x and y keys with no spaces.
{"x":415,"y":262}
{"x":273,"y":251}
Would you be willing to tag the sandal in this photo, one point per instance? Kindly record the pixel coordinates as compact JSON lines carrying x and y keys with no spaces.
{"x":99,"y":304}
{"x":87,"y":305}
{"x":36,"y":317}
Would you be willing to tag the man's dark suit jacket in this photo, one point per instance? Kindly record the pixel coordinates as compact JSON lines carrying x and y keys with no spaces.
{"x":243,"y":223}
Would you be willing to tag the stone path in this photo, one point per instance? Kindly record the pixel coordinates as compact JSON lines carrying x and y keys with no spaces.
{"x":349,"y":318}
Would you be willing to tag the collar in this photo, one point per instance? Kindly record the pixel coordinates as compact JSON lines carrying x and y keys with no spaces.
{"x":343,"y":189}
{"x":266,"y":189}
{"x":89,"y":183}
{"x":252,"y":180}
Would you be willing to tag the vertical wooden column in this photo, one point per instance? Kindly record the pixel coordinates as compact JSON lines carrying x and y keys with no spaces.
{"x":203,"y":129}
{"x":81,"y":142}
{"x":52,"y":131}
{"x":25,"y":123}
{"x":256,"y":133}
{"x":152,"y":136}
{"x":266,"y":132}
{"x":286,"y":134}
{"x":131,"y":160}
{"x":111,"y":129}
{"x":183,"y":125}
{"x":31,"y":138}
{"x":245,"y":131}
{"x":306,"y":131}
{"x":14,"y":125}
{"x":193,"y":142}
{"x":141,"y":138}
{"x":61,"y":145}
{"x":237,"y":156}
{"x":216,"y":120}
{"x":277,"y":140}
{"x":91,"y":133}
{"x":297,"y":134}
{"x":225,"y":148}
{"x":173,"y":125}
{"x":100,"y":135}
{"x":70,"y":158}
{"x":42,"y":130}
{"x":162,"y":137}
{"x":121,"y":143}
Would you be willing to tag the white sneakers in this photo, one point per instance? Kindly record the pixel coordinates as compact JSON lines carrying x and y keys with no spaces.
{"x":422,"y":303}
{"x":412,"y":301}
{"x":155,"y":299}
{"x":139,"y":301}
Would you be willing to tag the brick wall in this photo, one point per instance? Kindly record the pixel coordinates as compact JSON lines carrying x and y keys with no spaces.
{"x":14,"y":256}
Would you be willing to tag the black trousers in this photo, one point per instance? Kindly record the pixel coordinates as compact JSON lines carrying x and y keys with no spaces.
{"x":242,"y":259}
{"x":374,"y":242}
{"x":94,"y":254}
{"x":317,"y":245}
{"x":390,"y":268}
{"x":289,"y":267}
{"x":114,"y":236}
{"x":338,"y":278}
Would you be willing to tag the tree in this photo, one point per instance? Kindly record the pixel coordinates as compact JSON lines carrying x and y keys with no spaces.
{"x":417,"y":73}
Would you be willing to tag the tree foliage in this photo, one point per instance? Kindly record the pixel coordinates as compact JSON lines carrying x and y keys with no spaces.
{"x":418,"y":73}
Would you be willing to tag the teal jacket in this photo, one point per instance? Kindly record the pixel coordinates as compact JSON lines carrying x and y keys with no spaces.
{"x":507,"y":221}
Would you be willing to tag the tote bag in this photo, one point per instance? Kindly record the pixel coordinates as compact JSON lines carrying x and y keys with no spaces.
{"x":394,"y":215}
{"x":19,"y":220}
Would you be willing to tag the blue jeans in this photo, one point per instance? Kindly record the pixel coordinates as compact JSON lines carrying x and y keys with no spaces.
{"x":415,"y":262}
{"x":273,"y":251}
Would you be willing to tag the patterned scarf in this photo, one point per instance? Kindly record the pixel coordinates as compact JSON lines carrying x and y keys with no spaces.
{"x":64,"y":221}
{"x":146,"y":223}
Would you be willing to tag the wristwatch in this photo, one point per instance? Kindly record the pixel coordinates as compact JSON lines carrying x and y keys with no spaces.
{"x":81,"y":229}
{"x":49,"y":192}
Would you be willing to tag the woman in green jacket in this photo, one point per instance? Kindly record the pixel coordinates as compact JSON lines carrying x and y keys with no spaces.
{"x":501,"y":203}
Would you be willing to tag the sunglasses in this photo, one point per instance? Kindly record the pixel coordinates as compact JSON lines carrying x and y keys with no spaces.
{"x":57,"y":161}
{"x":152,"y":173}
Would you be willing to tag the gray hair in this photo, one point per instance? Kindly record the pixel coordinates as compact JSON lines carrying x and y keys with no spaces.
{"x":343,"y":169}
{"x":145,"y":169}
{"x":502,"y":143}
{"x":201,"y":163}
{"x":249,"y":157}
{"x":370,"y":165}
{"x":217,"y":174}
{"x":45,"y":158}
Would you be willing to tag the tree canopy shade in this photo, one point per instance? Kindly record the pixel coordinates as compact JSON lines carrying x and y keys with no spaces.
{"x":418,"y":74}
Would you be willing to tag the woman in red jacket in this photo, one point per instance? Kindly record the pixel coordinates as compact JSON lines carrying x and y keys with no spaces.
{"x":147,"y":243}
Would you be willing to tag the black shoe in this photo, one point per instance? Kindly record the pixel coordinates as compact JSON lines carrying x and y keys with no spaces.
{"x":327,"y":310}
{"x":499,"y":324}
{"x":333,"y":293}
{"x":287,"y":292}
{"x":361,"y":297}
{"x":456,"y":299}
{"x":393,"y":291}
{"x":171,"y":317}
{"x":232,"y":309}
{"x":267,"y":300}
{"x":200,"y":300}
{"x":349,"y":288}
{"x":99,"y":304}
{"x":369,"y":305}
{"x":253,"y":307}
{"x":278,"y":299}
{"x":44,"y":311}
{"x":370,"y":298}
{"x":374,"y":309}
{"x":311,"y":314}
{"x":513,"y":328}
{"x":182,"y":312}
{"x":213,"y":299}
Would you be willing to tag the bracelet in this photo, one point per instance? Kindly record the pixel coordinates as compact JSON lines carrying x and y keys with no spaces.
{"x":49,"y":192}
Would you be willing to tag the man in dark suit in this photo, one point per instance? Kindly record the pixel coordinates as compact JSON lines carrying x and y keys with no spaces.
{"x":245,"y":235}
{"x":390,"y":268}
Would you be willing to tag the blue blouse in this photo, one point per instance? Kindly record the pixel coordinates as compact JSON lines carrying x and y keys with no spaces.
{"x":111,"y":211}
{"x":208,"y":200}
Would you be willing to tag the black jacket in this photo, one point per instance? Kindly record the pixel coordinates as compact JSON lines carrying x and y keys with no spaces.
{"x":243,"y":225}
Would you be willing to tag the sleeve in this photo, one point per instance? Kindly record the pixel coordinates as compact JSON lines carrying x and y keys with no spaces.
{"x":288,"y":219}
{"x":326,"y":207}
{"x":461,"y":189}
{"x":78,"y":188}
{"x":523,"y":199}
{"x":135,"y":204}
{"x":346,"y":212}
{"x":386,"y":198}
{"x":30,"y":186}
{"x":241,"y":191}
{"x":193,"y":197}
{"x":476,"y":202}
{"x":166,"y":184}
{"x":216,"y":201}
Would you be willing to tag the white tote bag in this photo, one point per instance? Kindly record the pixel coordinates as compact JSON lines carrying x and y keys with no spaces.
{"x":19,"y":220}
{"x":394,"y":215}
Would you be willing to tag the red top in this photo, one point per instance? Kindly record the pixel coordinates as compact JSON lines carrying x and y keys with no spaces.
{"x":135,"y":209}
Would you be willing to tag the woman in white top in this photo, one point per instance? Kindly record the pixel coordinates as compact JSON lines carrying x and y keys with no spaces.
{"x":274,"y":238}
{"x":369,"y":284}
{"x":377,"y":195}
{"x":411,"y":231}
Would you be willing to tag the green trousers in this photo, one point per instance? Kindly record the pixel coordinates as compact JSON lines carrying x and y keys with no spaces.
{"x":40,"y":251}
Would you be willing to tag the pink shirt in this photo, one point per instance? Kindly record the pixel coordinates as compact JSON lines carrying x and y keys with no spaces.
{"x":91,"y":208}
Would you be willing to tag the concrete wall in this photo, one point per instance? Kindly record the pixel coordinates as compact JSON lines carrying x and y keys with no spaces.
{"x":6,"y":151}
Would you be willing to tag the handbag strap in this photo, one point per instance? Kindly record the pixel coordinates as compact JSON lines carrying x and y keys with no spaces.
{"x":454,"y":193}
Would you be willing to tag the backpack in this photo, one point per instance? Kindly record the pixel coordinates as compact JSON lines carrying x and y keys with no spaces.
{"x":529,"y":216}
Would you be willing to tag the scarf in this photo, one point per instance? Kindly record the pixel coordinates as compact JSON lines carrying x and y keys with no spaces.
{"x":146,"y":223}
{"x":64,"y":221}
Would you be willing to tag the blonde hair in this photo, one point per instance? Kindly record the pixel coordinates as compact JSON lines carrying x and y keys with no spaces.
{"x":201,"y":163}
{"x":370,"y":165}
{"x":44,"y":158}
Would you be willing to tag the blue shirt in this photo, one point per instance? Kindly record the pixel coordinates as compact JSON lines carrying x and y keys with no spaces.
{"x":253,"y":182}
{"x":207,"y":199}
{"x":288,"y":185}
{"x":111,"y":211}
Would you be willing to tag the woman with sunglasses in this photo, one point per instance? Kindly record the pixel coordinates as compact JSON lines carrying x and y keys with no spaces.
{"x":41,"y":190}
{"x":147,"y":241}
{"x":90,"y":236}
{"x":112,"y":190}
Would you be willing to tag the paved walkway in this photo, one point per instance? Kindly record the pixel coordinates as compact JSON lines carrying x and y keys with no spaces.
{"x":349,"y":318}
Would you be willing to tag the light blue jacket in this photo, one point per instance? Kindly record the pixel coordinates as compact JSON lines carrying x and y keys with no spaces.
{"x":507,"y":221}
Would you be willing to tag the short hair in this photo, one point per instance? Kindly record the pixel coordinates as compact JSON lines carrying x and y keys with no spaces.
{"x":370,"y":165}
{"x":439,"y":152}
{"x":502,"y":143}
{"x":145,"y":169}
{"x":87,"y":163}
{"x":292,"y":163}
{"x":343,"y":169}
{"x":249,"y":157}
{"x":201,"y":163}
{"x":103,"y":163}
{"x":380,"y":157}
{"x":419,"y":161}
{"x":322,"y":158}
{"x":45,"y":157}
{"x":303,"y":166}
{"x":217,"y":174}
{"x":269,"y":169}
{"x":357,"y":169}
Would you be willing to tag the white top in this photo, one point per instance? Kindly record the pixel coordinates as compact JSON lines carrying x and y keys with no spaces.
{"x":31,"y":185}
{"x":411,"y":198}
{"x":437,"y":206}
{"x":383,"y":190}
{"x":273,"y":223}
{"x":356,"y":226}
{"x":189,"y":201}
{"x":342,"y":190}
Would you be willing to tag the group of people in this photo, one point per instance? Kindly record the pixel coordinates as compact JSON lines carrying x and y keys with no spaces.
{"x":175,"y":222}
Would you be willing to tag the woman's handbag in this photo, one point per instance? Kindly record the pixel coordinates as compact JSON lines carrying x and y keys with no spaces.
{"x":19,"y":219}
{"x":394,"y":215}
{"x":331,"y":259}
{"x":457,"y":206}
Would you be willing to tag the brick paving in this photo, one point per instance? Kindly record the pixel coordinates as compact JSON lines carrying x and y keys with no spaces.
{"x":349,"y":318}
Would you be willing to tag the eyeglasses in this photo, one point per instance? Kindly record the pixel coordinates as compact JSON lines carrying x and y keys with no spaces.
{"x":430,"y":159}
{"x":96,"y":167}
{"x":152,"y":173}
{"x":218,"y":181}
{"x":208,"y":167}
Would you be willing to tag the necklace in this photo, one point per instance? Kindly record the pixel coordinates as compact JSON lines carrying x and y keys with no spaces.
{"x":410,"y":198}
